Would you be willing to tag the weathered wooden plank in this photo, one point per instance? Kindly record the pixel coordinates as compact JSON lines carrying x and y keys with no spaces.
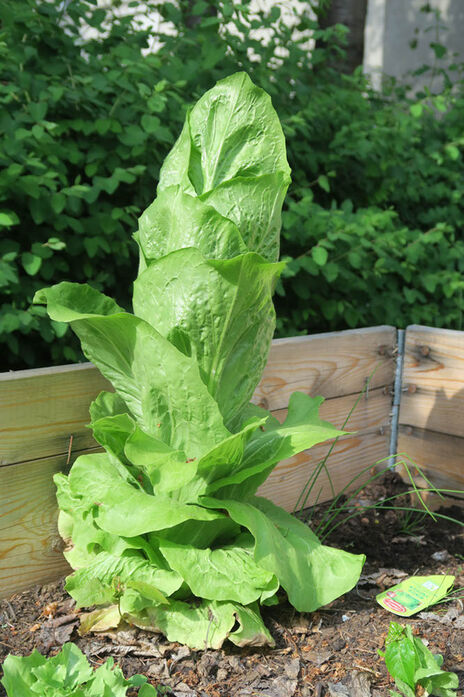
{"x":40,"y":409}
{"x":333,"y":365}
{"x":433,"y":380}
{"x":30,"y":547}
{"x":350,"y":456}
{"x":30,"y":568}
{"x":440,"y":456}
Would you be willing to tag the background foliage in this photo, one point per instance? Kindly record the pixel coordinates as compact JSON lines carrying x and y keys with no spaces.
{"x":372,"y":226}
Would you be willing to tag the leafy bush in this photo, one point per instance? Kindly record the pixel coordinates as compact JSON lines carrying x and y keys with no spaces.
{"x":85,"y":132}
{"x":164,"y":526}
{"x":87,"y":122}
{"x":378,"y":239}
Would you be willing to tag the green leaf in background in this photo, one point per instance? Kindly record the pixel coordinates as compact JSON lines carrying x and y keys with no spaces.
{"x":8,"y":218}
{"x":323,"y":182}
{"x":31,"y":263}
{"x":320,"y":255}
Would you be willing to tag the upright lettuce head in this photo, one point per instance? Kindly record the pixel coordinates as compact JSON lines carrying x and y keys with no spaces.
{"x":164,"y":527}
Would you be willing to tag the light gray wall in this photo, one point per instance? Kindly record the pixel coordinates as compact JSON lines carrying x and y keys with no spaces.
{"x":392,"y":24}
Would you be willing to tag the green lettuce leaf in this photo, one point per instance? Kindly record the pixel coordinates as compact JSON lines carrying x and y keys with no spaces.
{"x":255,"y":207}
{"x":233,"y":160}
{"x":68,"y":674}
{"x":302,"y":429}
{"x":167,"y":469}
{"x":160,"y":385}
{"x":411,"y":664}
{"x":232,"y":131}
{"x":108,"y":576}
{"x":225,"y":307}
{"x":226,"y":573}
{"x":311,"y":573}
{"x":18,"y":676}
{"x":176,"y":220}
{"x":107,"y":404}
{"x":121,"y":509}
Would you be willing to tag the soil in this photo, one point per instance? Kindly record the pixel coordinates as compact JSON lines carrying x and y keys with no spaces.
{"x":331,"y":652}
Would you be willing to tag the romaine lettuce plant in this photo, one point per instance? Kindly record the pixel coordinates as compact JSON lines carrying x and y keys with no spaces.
{"x":68,"y":674}
{"x":164,"y":528}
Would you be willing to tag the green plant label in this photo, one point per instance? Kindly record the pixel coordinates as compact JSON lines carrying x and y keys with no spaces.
{"x":414,"y":594}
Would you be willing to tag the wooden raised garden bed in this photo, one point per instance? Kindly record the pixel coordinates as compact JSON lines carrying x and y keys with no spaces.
{"x":43,"y":416}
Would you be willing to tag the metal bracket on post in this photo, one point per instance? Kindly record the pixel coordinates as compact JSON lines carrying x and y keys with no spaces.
{"x":397,"y":389}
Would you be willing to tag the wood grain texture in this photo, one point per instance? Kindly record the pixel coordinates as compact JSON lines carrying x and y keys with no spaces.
{"x":332,"y":365}
{"x":350,"y":456}
{"x":30,"y":547}
{"x":440,"y":456}
{"x":41,"y":409}
{"x":433,"y":380}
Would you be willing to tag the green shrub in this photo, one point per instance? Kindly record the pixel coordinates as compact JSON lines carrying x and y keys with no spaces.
{"x":84,"y":135}
{"x":378,"y":240}
{"x":374,"y":217}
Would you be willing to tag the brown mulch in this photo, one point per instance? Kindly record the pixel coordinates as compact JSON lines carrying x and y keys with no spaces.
{"x":330,"y":652}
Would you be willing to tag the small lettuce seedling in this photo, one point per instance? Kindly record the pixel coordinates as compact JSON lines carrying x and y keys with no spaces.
{"x":164,"y":529}
{"x":68,"y":674}
{"x":415,"y":669}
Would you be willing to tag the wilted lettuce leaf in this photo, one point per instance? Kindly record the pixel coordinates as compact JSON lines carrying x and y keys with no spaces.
{"x":205,"y":624}
{"x":163,"y":528}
